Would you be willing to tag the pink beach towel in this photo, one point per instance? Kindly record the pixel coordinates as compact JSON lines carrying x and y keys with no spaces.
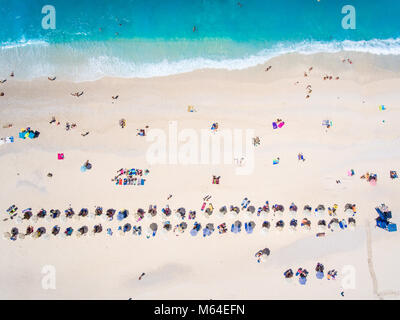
{"x":60,"y":156}
{"x":280,"y":125}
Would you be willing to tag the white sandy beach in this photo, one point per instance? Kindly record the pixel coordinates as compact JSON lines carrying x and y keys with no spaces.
{"x":221,"y":266}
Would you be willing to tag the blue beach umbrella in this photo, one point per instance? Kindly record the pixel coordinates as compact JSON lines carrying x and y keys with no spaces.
{"x":302,"y":280}
{"x":206,"y":232}
{"x":122,"y":215}
{"x":193,"y":232}
{"x":320,"y":275}
{"x":235,"y":229}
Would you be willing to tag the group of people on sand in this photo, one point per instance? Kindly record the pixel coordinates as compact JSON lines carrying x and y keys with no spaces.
{"x":326,"y":77}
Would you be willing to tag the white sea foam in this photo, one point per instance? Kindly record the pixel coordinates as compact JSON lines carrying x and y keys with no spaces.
{"x":36,"y":58}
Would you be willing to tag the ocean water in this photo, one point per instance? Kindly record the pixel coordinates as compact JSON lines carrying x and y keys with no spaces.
{"x":145,"y":38}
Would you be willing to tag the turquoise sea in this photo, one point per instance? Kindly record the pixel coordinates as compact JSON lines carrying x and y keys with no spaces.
{"x":145,"y":38}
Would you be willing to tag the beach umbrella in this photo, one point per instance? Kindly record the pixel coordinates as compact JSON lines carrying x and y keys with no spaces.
{"x":320,"y":209}
{"x":319,"y":275}
{"x":302,"y":280}
{"x":334,"y":224}
{"x":222,"y":211}
{"x":321,"y":225}
{"x":167,"y":226}
{"x":251,"y":209}
{"x":352,"y":223}
{"x":83,"y":230}
{"x":183,"y":225}
{"x":122,"y":214}
{"x":69,"y":231}
{"x":265,"y":227}
{"x":193,"y":232}
{"x":238,"y":224}
{"x":55,"y":230}
{"x":249,"y":227}
{"x":266,"y":251}
{"x":210,"y":226}
{"x":153,"y":227}
{"x":98,"y":211}
{"x":127,"y":227}
{"x":206,"y":232}
{"x":235,"y":228}
{"x":307,"y":210}
{"x":279,"y":225}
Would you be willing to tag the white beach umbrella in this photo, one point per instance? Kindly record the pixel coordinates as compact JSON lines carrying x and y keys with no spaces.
{"x":349,"y":212}
{"x":321,"y":228}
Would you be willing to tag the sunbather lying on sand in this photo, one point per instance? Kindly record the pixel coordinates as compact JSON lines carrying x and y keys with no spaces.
{"x":77,"y":94}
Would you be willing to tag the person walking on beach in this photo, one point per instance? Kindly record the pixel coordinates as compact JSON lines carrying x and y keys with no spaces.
{"x":141,"y":276}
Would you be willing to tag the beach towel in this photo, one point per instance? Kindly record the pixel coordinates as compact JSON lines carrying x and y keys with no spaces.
{"x":22,"y":135}
{"x":274,"y":125}
{"x":280,"y":125}
{"x":83,"y":169}
{"x":275,"y":161}
{"x":141,"y":182}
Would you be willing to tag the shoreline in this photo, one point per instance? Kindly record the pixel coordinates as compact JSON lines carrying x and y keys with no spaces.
{"x":385,"y":61}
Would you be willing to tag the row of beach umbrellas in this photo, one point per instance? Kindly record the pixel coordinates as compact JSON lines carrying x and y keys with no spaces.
{"x":236,"y":227}
{"x":166,"y":212}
